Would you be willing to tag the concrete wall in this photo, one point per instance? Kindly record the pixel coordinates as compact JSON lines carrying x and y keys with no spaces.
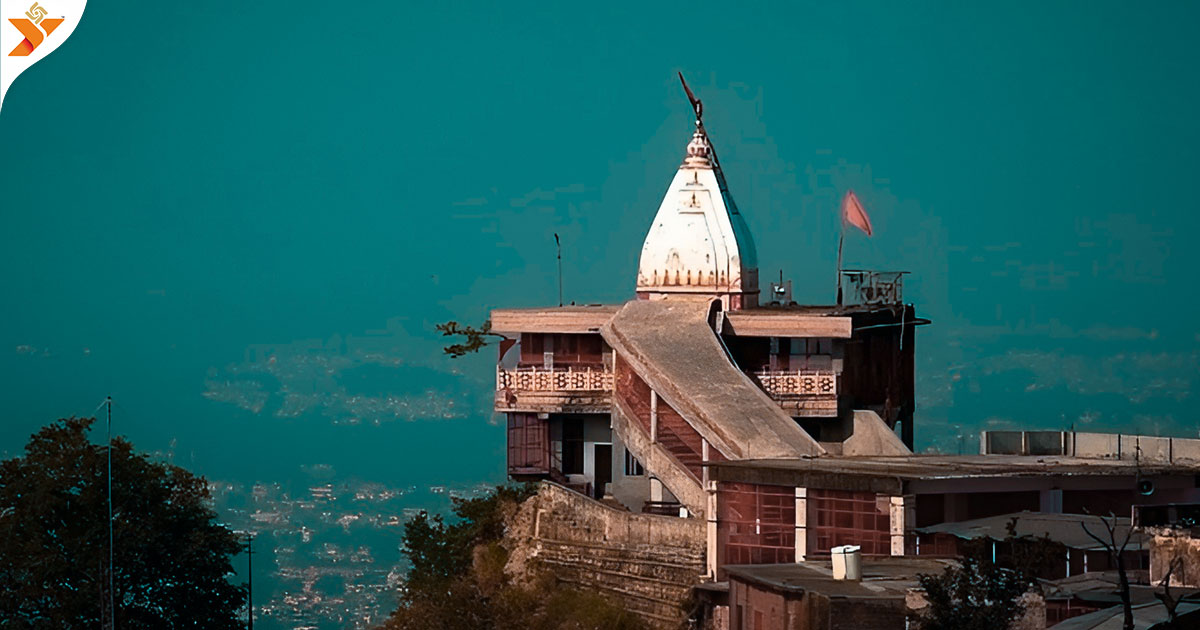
{"x":631,"y":490}
{"x":870,"y":436}
{"x":647,"y":562}
{"x":1150,"y":449}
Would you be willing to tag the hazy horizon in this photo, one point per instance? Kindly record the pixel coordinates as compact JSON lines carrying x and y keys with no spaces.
{"x":245,"y":229}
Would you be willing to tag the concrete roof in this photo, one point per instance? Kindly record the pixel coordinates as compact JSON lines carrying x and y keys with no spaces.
{"x":882,"y":577}
{"x":671,"y":346}
{"x":781,"y":323}
{"x":774,"y":321}
{"x":553,"y":319}
{"x":889,"y":473}
{"x":1062,"y":528}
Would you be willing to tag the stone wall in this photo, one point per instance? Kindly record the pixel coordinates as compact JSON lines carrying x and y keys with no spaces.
{"x":647,"y":562}
{"x":1175,"y":545}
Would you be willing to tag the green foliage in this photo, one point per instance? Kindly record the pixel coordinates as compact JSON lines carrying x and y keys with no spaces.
{"x":457,"y":579}
{"x":474,"y":339}
{"x":975,"y":595}
{"x":1032,"y":557}
{"x":172,"y":559}
{"x":441,"y":552}
{"x":980,"y":594}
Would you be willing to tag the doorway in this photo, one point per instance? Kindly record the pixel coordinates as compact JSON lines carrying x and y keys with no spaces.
{"x":602,"y":461}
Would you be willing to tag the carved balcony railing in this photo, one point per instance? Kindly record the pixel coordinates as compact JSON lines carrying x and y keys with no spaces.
{"x":554,"y":380}
{"x":802,"y":392}
{"x":799,"y":383}
{"x":556,"y":390}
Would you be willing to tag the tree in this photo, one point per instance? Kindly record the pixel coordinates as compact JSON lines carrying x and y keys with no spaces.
{"x":440,"y":553}
{"x":457,"y":579}
{"x":1115,"y":545}
{"x":1169,"y":600}
{"x":474,"y":339}
{"x":171,"y":559}
{"x":976,"y":594}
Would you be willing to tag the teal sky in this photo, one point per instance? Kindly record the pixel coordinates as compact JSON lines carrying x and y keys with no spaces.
{"x":184,"y":181}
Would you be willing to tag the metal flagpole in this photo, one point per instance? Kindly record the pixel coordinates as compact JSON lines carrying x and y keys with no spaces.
{"x":841,"y":240}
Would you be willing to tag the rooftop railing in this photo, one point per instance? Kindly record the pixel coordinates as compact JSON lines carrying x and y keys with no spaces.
{"x":566,"y":379}
{"x":873,"y":287}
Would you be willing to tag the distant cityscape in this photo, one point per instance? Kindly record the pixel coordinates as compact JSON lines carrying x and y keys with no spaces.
{"x":326,"y":556}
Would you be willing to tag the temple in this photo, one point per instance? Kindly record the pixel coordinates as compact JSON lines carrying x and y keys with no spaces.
{"x":739,"y":429}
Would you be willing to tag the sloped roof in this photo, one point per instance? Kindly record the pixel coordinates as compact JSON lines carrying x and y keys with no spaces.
{"x":671,"y":346}
{"x":1061,"y":528}
{"x":1145,"y":616}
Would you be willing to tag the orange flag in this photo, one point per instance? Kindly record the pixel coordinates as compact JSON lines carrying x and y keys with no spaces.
{"x":853,"y":213}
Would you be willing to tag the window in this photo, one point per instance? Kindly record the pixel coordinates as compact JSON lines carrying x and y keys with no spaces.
{"x":817,"y":345}
{"x":811,"y":354}
{"x":633,"y":468}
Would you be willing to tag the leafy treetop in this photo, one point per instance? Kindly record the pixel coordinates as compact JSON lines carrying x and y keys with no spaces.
{"x":171,"y":558}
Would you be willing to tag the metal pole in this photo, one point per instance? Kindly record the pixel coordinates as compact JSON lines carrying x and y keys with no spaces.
{"x":112,"y":610}
{"x":250,"y":580}
{"x":841,"y":239}
{"x":559,"y":247}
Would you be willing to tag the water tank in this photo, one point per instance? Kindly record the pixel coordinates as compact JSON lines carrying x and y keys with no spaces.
{"x":847,"y":562}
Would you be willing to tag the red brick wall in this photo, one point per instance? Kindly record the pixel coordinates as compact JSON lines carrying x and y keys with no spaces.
{"x":841,"y":517}
{"x":756,"y":524}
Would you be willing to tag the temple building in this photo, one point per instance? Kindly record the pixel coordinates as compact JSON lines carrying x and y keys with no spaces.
{"x":740,"y":429}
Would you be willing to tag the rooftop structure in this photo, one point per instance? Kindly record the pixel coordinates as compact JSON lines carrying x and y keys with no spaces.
{"x":635,"y":398}
{"x":779,"y":429}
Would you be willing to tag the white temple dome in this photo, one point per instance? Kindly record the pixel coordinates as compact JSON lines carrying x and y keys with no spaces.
{"x":698,"y":244}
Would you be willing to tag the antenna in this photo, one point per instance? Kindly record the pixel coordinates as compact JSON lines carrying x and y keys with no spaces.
{"x":558,"y":246}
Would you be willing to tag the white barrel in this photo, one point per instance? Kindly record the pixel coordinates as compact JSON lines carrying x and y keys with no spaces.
{"x":847,"y":562}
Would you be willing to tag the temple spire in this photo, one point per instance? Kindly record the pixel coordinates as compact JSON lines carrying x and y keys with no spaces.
{"x":698,"y":244}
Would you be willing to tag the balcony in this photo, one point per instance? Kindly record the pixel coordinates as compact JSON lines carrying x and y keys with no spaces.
{"x":554,"y":390}
{"x":809,"y":393}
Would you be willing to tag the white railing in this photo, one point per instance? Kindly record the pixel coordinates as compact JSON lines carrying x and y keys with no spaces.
{"x":554,"y":380}
{"x":799,"y":383}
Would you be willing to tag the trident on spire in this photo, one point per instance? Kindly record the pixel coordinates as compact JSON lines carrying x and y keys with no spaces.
{"x":696,"y":104}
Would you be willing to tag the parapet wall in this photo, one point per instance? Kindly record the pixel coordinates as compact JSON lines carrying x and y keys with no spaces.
{"x":647,"y":562}
{"x":1148,"y":449}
